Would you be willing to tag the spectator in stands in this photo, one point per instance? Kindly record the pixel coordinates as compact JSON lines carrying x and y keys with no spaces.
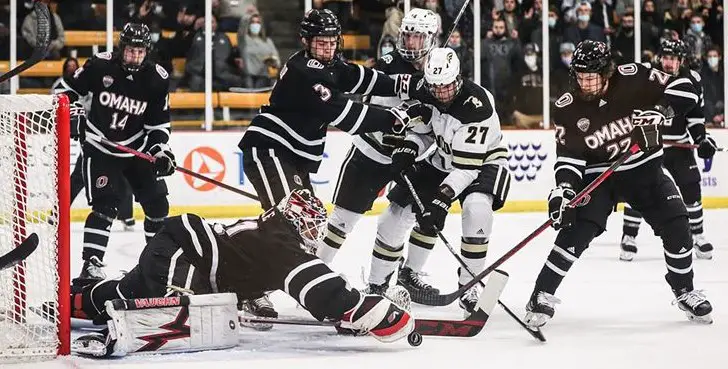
{"x":560,"y":72}
{"x":435,"y":8}
{"x":260,"y":56}
{"x":501,"y":56}
{"x":555,"y":34}
{"x":456,"y":43}
{"x":511,"y":16}
{"x":624,"y":39}
{"x":79,"y":15}
{"x":232,"y":12}
{"x":584,"y":29}
{"x":651,"y":24}
{"x":386,"y":45}
{"x":224,"y":75}
{"x":697,"y":41}
{"x":678,"y":16}
{"x":186,"y":28}
{"x":713,"y":78}
{"x":57,"y":37}
{"x":713,"y":15}
{"x":528,"y":90}
{"x":70,"y":65}
{"x":391,"y":25}
{"x":340,"y":8}
{"x":530,"y":22}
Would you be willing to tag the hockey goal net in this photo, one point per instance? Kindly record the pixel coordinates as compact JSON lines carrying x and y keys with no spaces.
{"x":34,"y":198}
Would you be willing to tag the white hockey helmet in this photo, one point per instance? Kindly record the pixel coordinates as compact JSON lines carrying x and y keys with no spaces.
{"x":442,"y":74}
{"x":417,"y":34}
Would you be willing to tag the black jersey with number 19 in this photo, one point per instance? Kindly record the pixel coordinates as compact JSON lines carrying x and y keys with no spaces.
{"x":590,"y":135}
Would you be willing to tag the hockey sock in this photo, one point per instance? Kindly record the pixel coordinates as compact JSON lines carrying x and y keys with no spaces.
{"x":341,"y":223}
{"x":676,"y":240}
{"x":96,"y":235}
{"x":473,"y":251}
{"x":695,"y":216}
{"x":155,"y":211}
{"x":152,"y":226}
{"x":570,"y":244}
{"x":384,"y":261}
{"x":632,"y":220}
{"x":420,"y":246}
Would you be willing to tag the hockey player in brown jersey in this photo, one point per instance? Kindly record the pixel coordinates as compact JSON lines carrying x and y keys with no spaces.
{"x":594,"y":126}
{"x":191,"y":256}
{"x":680,"y":162}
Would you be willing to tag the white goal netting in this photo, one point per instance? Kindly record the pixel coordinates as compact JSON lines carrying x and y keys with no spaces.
{"x":33,"y":177}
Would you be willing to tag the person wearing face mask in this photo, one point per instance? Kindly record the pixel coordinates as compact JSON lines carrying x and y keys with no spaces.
{"x":697,"y":41}
{"x":528,"y":90}
{"x":257,"y":51}
{"x":456,"y":43}
{"x":584,"y":29}
{"x":713,"y":78}
{"x":624,"y":38}
{"x":500,"y":58}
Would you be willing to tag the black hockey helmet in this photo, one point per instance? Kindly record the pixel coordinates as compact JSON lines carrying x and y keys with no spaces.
{"x":134,"y":35}
{"x":673,"y":47}
{"x":591,"y":57}
{"x":321,"y":22}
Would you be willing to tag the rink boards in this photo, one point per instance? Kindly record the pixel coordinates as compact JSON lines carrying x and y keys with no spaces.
{"x":216,"y":154}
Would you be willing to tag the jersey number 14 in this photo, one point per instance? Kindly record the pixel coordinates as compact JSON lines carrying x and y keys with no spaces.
{"x":117,"y":123}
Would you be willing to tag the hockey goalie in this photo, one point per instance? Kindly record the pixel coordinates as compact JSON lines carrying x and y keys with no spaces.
{"x":182,"y":296}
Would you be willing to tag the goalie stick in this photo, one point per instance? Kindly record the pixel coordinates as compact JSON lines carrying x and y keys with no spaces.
{"x":468,"y":327}
{"x":535,"y":333}
{"x":41,"y":42}
{"x":19,"y":253}
{"x":447,"y":299}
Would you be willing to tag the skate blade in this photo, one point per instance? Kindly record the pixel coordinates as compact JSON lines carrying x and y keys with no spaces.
{"x":626,"y":256}
{"x":535,"y":320}
{"x":703,"y":255}
{"x":705,"y":319}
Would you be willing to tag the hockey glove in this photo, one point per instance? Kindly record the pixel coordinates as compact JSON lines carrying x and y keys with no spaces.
{"x":562,"y":216}
{"x":77,"y":115}
{"x":409,"y":114}
{"x":403,"y":157}
{"x":707,"y":147}
{"x":436,"y":211}
{"x":646,"y":132}
{"x":164,"y":162}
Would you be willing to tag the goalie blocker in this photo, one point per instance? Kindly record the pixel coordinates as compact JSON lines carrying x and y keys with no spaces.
{"x":247,"y":258}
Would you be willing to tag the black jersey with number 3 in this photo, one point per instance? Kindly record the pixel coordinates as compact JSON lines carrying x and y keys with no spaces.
{"x":590,"y":135}
{"x":127,"y":108}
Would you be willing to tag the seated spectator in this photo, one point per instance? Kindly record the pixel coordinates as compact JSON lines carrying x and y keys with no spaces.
{"x":260,"y":59}
{"x":224,"y":75}
{"x":528,"y":90}
{"x":712,"y":78}
{"x":57,"y":36}
{"x":456,"y":43}
{"x":697,"y":41}
{"x":583,"y":29}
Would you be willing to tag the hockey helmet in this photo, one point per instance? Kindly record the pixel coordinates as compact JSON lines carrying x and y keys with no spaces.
{"x":442,"y":74}
{"x":590,"y":58}
{"x":308,"y":214}
{"x":676,"y":51}
{"x":417,"y":34}
{"x":134,"y":35}
{"x":318,"y":22}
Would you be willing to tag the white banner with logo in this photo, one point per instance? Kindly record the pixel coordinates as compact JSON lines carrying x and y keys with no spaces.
{"x":531,"y":159}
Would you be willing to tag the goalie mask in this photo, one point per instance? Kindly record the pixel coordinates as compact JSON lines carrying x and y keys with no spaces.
{"x":591,"y":68}
{"x":442,"y":75}
{"x":308,"y":214}
{"x":134,"y":43}
{"x":417,"y":34}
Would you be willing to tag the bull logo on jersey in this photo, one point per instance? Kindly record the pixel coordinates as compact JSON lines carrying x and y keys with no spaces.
{"x":525,"y":160}
{"x":107,"y":81}
{"x":583,"y":124}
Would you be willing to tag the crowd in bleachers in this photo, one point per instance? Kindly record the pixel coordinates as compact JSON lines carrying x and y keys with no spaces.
{"x":245,"y":54}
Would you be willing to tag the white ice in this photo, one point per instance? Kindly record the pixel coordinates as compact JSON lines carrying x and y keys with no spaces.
{"x":614,"y":314}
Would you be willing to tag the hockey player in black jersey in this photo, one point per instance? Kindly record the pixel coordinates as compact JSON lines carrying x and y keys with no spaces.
{"x":285,"y":143}
{"x":130,"y":107}
{"x":679,"y":162}
{"x":595,"y":124}
{"x":192,"y":256}
{"x":366,"y":169}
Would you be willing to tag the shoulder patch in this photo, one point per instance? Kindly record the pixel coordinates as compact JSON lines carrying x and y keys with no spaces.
{"x":315,"y":64}
{"x":388,"y":59}
{"x":647,"y":64}
{"x":627,"y":69}
{"x":695,"y":75}
{"x":564,"y":100}
{"x":162,"y":72}
{"x":104,"y":55}
{"x":475,"y":101}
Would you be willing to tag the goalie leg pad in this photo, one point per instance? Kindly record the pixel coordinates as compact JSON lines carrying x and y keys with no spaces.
{"x":173,"y":324}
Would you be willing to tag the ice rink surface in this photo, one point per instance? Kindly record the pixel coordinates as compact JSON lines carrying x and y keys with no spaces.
{"x":614,"y":314}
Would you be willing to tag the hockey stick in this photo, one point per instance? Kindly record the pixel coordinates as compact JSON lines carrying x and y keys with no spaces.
{"x":447,"y":299}
{"x":19,"y":253}
{"x":179,"y":169}
{"x":681,"y":145}
{"x":537,"y":334}
{"x":455,"y":22}
{"x":41,"y":42}
{"x":468,"y":327}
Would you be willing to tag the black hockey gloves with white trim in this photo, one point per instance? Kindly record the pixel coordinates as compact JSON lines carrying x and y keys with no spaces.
{"x":561,"y":215}
{"x":409,"y":114}
{"x":707,"y":147}
{"x":436,"y":211}
{"x":77,"y":115}
{"x":403,"y":158}
{"x":646,"y":132}
{"x":164,"y":159}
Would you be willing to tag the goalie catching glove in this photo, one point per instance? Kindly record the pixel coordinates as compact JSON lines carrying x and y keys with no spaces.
{"x":164,"y":159}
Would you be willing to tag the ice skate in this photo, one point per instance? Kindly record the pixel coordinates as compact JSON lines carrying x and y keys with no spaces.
{"x":469,"y":299}
{"x":90,"y":272}
{"x":379,"y":317}
{"x":703,"y":248}
{"x":694,"y":304}
{"x":628,"y":248}
{"x":540,"y":309}
{"x":261,"y":307}
{"x":420,"y":291}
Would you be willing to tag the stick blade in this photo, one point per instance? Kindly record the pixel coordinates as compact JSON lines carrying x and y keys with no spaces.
{"x":19,"y":253}
{"x":44,"y":25}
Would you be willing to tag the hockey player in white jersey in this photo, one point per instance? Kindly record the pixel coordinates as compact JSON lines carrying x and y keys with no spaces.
{"x":468,"y":164}
{"x":366,"y":169}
